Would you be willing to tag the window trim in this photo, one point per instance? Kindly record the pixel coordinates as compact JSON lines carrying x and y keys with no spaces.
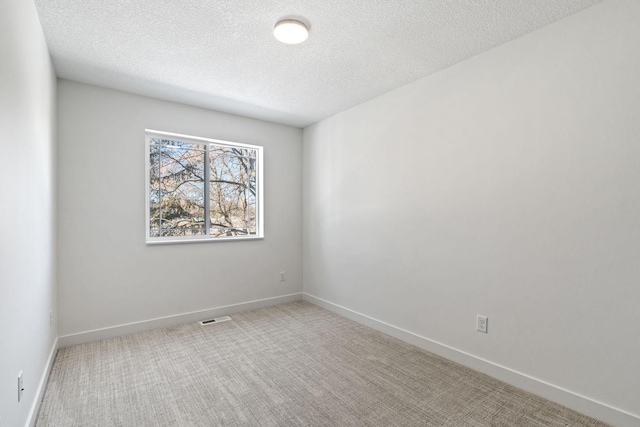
{"x":149,"y":134}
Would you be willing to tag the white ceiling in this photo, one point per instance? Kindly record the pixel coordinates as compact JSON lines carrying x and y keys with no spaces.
{"x":221,"y":54}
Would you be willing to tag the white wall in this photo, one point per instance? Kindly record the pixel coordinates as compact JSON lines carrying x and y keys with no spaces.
{"x":507,"y":185}
{"x":107,"y":275}
{"x":27,"y":274}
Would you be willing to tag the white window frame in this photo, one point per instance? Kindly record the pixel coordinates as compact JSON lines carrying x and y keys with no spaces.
{"x":149,"y":134}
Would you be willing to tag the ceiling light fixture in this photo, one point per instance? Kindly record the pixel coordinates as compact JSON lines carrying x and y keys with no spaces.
{"x":291,"y":31}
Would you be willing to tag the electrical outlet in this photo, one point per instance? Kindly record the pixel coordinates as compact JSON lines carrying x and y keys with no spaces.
{"x":482,"y":323}
{"x":51,"y":318}
{"x":20,"y":386}
{"x":283,"y":276}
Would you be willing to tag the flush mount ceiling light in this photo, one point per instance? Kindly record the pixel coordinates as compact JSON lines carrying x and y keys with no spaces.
{"x":291,"y":31}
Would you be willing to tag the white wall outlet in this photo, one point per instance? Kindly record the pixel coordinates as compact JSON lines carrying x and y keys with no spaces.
{"x":283,"y":276}
{"x":51,"y":318}
{"x":20,"y":386}
{"x":482,"y":323}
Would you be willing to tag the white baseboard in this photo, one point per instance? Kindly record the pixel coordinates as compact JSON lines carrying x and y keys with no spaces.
{"x":35,"y":406}
{"x":168,"y":321}
{"x":575,"y":401}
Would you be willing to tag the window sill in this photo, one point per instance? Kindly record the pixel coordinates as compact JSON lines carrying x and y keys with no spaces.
{"x":202,"y":240}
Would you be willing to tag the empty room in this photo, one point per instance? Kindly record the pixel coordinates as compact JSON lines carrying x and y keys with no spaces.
{"x":320,"y":213}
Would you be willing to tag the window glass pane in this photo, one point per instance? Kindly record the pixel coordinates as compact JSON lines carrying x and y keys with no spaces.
{"x":232,"y":191}
{"x":154,"y":191}
{"x":176,"y":188}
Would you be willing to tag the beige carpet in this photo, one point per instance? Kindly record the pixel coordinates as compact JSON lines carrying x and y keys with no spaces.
{"x":289,"y":365}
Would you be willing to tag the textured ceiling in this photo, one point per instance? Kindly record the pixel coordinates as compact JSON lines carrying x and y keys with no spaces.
{"x":221,"y":54}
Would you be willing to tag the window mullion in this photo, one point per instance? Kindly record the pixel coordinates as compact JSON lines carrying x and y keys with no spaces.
{"x":207,"y":179}
{"x":160,"y":213}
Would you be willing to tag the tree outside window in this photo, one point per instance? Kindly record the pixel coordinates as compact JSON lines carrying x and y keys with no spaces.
{"x":202,"y":189}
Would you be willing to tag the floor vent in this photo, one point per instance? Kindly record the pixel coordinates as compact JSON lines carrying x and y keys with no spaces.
{"x":216,"y":320}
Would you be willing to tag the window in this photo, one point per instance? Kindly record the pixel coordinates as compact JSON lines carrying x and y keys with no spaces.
{"x":201,"y":189}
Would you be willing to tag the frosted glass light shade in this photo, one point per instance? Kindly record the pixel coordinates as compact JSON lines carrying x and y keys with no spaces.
{"x":291,"y":31}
